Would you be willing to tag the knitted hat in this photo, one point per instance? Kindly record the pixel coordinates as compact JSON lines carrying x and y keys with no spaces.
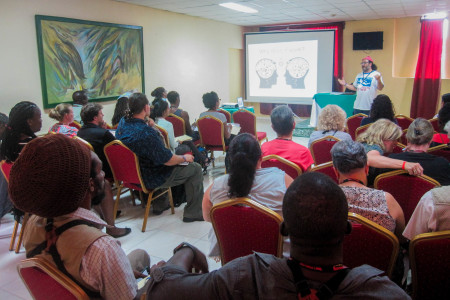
{"x":51,"y":176}
{"x":368,"y":58}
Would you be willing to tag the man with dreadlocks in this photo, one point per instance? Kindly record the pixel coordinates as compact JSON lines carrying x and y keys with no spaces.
{"x":67,"y":179}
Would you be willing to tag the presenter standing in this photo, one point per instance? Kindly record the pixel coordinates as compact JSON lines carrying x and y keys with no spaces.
{"x":366,"y":85}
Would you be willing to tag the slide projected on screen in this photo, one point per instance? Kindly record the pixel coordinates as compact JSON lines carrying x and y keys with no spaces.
{"x":288,"y":67}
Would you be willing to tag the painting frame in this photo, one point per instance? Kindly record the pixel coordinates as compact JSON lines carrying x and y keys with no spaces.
{"x":104,"y":59}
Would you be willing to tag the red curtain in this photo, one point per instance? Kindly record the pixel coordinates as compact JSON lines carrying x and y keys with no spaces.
{"x":427,"y":81}
{"x":305,"y":110}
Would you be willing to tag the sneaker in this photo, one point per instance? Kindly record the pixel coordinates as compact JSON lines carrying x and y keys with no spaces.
{"x":190,"y":220}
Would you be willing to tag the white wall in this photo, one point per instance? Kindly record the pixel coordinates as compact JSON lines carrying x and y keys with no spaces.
{"x":182,"y":53}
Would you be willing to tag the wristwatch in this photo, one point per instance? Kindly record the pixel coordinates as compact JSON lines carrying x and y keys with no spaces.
{"x":184,"y":245}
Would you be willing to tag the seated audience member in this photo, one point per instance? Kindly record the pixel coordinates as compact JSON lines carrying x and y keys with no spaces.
{"x":80,"y":99}
{"x":93,"y":132}
{"x":444,"y":100}
{"x":379,"y":140}
{"x":419,"y":136}
{"x":58,"y":196}
{"x":63,"y":113}
{"x":160,"y":111}
{"x":120,"y":109}
{"x":444,"y":117}
{"x":381,"y":108}
{"x":350,"y":165}
{"x":315,"y":218}
{"x":246,"y":178}
{"x":159,"y":93}
{"x":3,"y":123}
{"x":283,"y":124}
{"x":212,"y":102}
{"x":24,"y":121}
{"x":158,"y":165}
{"x":331,"y":122}
{"x":174,"y":99}
{"x":432,"y":213}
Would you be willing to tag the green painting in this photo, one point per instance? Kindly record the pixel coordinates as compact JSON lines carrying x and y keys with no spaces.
{"x":103,"y":59}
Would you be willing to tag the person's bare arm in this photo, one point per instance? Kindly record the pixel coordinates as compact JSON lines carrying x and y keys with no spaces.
{"x":287,"y":180}
{"x":207,"y":204}
{"x":227,"y":130}
{"x":346,"y":85}
{"x":379,"y":161}
{"x":185,"y":116}
{"x":178,"y":159}
{"x":397,"y":213}
{"x":380,"y":84}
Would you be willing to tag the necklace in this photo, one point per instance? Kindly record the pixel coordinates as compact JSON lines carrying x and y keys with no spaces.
{"x":354,"y":180}
{"x":364,"y":78}
{"x":284,"y":139}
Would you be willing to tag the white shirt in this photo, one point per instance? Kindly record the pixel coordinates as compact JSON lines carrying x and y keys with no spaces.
{"x":366,"y":89}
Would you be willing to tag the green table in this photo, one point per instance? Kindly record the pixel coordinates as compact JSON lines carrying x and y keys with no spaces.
{"x":344,"y":101}
{"x":233,"y":110}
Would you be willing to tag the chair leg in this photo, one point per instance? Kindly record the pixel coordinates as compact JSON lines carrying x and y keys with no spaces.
{"x":147,"y":210}
{"x":26,"y":216}
{"x":132,"y":197}
{"x":13,"y":237}
{"x":212,"y":158}
{"x":172,"y":207}
{"x":116,"y":204}
{"x":141,"y":198}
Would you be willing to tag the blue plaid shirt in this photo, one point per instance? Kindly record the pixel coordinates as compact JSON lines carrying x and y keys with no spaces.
{"x":146,"y":143}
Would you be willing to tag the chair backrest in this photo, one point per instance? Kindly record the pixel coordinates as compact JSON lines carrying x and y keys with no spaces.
{"x":403,"y":139}
{"x":243,"y":226}
{"x":430,"y":265}
{"x":352,"y":123}
{"x":370,"y":243}
{"x":247,"y":121}
{"x":320,"y":149}
{"x":440,"y":150}
{"x":45,"y":281}
{"x":178,"y":124}
{"x":403,"y":121}
{"x":75,"y":124}
{"x":6,"y":168}
{"x":226,"y":113}
{"x":124,"y":165}
{"x":327,"y":169}
{"x":361,"y":129}
{"x":398,"y":148}
{"x":165,"y":135}
{"x":406,"y":189}
{"x":211,"y":132}
{"x":281,"y":163}
{"x":84,"y":142}
{"x":435,"y":123}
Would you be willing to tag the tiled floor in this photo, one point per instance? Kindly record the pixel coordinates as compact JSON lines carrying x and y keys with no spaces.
{"x":163,"y":234}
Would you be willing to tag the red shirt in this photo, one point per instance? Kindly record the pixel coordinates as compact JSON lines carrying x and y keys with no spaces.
{"x":289,"y":150}
{"x":441,"y":138}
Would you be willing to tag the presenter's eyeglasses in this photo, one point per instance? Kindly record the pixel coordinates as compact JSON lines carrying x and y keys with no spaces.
{"x":365,"y":62}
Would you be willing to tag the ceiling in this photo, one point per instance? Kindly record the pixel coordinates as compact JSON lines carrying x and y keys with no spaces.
{"x":295,"y":11}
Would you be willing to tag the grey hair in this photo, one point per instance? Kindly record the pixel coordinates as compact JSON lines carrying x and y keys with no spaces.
{"x":348,"y":155}
{"x":420,"y":132}
{"x":282,"y":119}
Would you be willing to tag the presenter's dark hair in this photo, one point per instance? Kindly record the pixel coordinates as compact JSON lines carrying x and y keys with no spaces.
{"x":382,"y":108}
{"x":158,"y":92}
{"x":210,"y":99}
{"x":136,"y":103}
{"x":374,"y":66}
{"x":159,"y":106}
{"x":17,"y":125}
{"x":244,"y":153}
{"x":282,"y":119}
{"x":172,"y":97}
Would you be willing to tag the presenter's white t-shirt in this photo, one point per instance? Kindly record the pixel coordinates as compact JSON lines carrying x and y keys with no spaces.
{"x":366,"y":89}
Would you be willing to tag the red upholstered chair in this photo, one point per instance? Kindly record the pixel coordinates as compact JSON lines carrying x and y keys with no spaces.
{"x":327,"y":169}
{"x":247,"y":121}
{"x":281,"y":163}
{"x":435,"y":123}
{"x":178,"y":125}
{"x":226,"y":114}
{"x":406,"y":189}
{"x":397,"y":149}
{"x":403,"y":121}
{"x":165,"y":135}
{"x":243,"y":226}
{"x":352,"y":123}
{"x":211,"y":135}
{"x":403,"y":139}
{"x":125,"y":168}
{"x":45,"y":282}
{"x":84,"y":142}
{"x":75,"y":124}
{"x":370,"y":243}
{"x":320,"y":149}
{"x":441,"y":150}
{"x":430,"y":265}
{"x":361,"y":129}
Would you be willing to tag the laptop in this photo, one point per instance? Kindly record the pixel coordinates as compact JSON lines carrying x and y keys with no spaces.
{"x":240,"y":102}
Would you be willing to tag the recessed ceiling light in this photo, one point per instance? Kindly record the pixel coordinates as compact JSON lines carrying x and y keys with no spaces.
{"x":239,"y":7}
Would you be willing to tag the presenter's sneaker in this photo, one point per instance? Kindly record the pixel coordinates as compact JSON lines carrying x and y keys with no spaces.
{"x":190,"y":220}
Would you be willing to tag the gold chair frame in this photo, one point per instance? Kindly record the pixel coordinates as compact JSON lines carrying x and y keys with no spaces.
{"x":221,"y":134}
{"x":254,"y":124}
{"x":283,"y":161}
{"x":325,"y":138}
{"x":181,"y":120}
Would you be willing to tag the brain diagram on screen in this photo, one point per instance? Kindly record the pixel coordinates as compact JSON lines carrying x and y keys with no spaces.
{"x":280,"y":69}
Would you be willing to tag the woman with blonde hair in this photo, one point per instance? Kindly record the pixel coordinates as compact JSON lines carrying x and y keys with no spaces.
{"x":331,"y":122}
{"x":63,"y":113}
{"x":380,"y":139}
